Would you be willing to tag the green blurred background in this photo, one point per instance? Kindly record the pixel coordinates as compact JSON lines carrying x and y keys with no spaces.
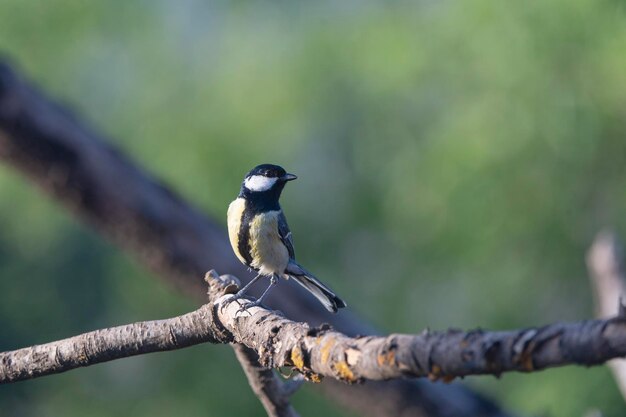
{"x":456,"y":158}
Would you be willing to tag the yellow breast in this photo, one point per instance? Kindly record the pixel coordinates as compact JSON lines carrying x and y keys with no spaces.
{"x":269,"y":254}
{"x":235,"y":212}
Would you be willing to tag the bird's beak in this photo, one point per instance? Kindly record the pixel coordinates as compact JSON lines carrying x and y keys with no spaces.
{"x":289,"y":177}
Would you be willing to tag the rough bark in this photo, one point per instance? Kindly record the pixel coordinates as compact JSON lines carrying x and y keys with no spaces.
{"x":318,"y":352}
{"x":77,"y":167}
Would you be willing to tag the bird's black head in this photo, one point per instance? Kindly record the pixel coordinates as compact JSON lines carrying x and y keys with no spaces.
{"x":264,"y":183}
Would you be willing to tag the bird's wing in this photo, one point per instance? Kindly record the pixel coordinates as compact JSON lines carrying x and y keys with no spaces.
{"x":285,"y":234}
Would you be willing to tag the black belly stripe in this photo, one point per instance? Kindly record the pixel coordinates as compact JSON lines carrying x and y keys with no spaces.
{"x":243,"y":237}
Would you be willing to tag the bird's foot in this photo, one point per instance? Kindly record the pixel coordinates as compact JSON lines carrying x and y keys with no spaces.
{"x":247,"y":305}
{"x":239,"y":294}
{"x":243,"y":307}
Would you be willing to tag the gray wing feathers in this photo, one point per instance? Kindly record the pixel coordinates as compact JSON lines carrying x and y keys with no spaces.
{"x":324,"y":294}
{"x":285,"y":234}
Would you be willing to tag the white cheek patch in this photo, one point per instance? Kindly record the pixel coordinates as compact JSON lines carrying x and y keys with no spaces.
{"x":259,"y":183}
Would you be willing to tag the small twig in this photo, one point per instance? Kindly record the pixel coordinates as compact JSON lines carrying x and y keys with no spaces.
{"x":265,"y":384}
{"x":606,"y":270}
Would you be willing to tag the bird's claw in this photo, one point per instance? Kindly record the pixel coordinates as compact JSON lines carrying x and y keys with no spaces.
{"x":243,"y":307}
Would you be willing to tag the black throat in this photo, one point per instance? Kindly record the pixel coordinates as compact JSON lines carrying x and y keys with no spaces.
{"x":262,"y":201}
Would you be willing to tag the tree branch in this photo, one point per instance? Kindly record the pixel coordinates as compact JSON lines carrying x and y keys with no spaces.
{"x":99,"y":185}
{"x":606,"y":270}
{"x":119,"y":342}
{"x":106,"y":345}
{"x":318,"y":352}
{"x":438,"y":355}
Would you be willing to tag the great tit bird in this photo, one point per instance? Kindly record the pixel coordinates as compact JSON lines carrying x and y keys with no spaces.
{"x":261,"y":239}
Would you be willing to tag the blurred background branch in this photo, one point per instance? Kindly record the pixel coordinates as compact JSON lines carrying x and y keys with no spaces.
{"x":605,"y":260}
{"x":273,"y":393}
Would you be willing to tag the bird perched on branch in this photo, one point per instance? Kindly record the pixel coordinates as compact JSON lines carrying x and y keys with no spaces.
{"x":261,"y":239}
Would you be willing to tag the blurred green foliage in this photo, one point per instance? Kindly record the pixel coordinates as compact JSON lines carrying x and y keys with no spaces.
{"x":456,"y":159}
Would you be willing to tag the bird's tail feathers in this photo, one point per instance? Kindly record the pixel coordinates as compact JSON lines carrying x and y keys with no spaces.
{"x":324,"y":294}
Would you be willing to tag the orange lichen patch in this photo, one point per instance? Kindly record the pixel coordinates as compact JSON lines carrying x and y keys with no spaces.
{"x":387,"y":358}
{"x":315,"y":378}
{"x":297,"y":358}
{"x":435,"y":373}
{"x":344,"y":372}
{"x":448,"y":378}
{"x":325,"y":350}
{"x":527,"y":363}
